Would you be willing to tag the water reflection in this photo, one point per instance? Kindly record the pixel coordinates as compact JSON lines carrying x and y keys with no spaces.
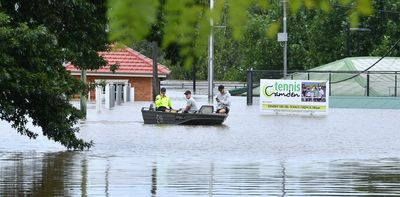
{"x":34,"y":175}
{"x":154,"y":180}
{"x":349,"y":152}
{"x":283,"y":179}
{"x":75,"y":174}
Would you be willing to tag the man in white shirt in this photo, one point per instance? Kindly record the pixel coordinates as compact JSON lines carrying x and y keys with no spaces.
{"x":223,"y":103}
{"x":321,"y":94}
{"x":191,"y":105}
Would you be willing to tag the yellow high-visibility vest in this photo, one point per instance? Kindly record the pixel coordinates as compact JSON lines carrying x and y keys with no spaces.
{"x":163,"y":101}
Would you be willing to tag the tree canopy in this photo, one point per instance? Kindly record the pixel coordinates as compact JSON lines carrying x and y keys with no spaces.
{"x":187,"y":22}
{"x":319,"y":33}
{"x":36,"y":38}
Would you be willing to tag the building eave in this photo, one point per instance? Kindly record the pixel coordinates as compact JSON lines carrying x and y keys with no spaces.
{"x":110,"y":74}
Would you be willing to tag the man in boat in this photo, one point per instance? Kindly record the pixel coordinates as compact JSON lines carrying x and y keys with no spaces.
{"x":191,"y":105}
{"x":163,"y":103}
{"x":223,"y":103}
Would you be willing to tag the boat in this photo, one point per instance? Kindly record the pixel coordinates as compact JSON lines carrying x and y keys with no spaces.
{"x":204,"y":116}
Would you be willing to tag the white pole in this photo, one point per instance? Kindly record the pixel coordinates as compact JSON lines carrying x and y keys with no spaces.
{"x":126,"y":96}
{"x":132,"y":94}
{"x":107,"y":97}
{"x":112,"y":95}
{"x":119,"y":93}
{"x":285,"y":42}
{"x":211,"y":58}
{"x":99,"y":89}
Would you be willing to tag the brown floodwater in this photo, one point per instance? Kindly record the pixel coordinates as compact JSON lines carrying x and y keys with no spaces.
{"x":349,"y":152}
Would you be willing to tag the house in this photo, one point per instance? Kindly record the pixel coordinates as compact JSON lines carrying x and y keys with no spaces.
{"x":133,"y":69}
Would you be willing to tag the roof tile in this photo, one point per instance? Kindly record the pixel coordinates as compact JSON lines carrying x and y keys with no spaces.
{"x":129,"y":61}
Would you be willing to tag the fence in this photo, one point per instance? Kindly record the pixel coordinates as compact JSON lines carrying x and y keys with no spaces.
{"x":341,"y":83}
{"x":200,"y":86}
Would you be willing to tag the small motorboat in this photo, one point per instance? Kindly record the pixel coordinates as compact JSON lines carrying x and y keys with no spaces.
{"x":204,"y":116}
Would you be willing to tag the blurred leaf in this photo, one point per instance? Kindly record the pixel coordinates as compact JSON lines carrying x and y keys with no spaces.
{"x":325,"y":5}
{"x":354,"y":19}
{"x":172,"y":10}
{"x":217,"y":11}
{"x":364,"y":7}
{"x":131,"y":19}
{"x":188,"y":64}
{"x":295,"y":5}
{"x":309,"y":4}
{"x":203,"y":34}
{"x":272,"y":30}
{"x":263,"y":4}
{"x":344,"y":2}
{"x":238,"y":16}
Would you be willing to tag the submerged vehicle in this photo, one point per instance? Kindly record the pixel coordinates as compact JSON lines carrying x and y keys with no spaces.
{"x":204,"y":116}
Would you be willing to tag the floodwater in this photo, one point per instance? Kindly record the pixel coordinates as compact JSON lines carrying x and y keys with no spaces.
{"x":349,"y":152}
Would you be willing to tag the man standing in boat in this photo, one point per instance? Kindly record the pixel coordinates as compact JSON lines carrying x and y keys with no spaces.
{"x":191,"y":105}
{"x":163,"y":103}
{"x":223,"y":103}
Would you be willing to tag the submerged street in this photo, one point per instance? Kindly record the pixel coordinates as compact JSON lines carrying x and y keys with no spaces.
{"x":348,"y":152}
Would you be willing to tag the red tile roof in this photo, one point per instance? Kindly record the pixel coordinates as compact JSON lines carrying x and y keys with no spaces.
{"x":129,"y":61}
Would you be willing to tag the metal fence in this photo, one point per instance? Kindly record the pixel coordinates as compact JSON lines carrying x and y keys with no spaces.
{"x":200,"y":87}
{"x":341,"y":83}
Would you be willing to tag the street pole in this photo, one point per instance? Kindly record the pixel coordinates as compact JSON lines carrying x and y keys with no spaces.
{"x":348,"y":41}
{"x":82,"y":95}
{"x":359,"y":30}
{"x":155,"y":71}
{"x":285,"y":42}
{"x":211,"y":58}
{"x":194,"y":76}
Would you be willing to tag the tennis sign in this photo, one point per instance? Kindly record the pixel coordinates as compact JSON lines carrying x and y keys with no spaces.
{"x":294,"y":96}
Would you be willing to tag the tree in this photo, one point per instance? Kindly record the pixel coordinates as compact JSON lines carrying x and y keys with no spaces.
{"x":384,"y":28}
{"x":37,"y":37}
{"x":187,"y":22}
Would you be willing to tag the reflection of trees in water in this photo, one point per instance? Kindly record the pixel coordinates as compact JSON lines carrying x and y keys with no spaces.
{"x":154,"y":180}
{"x":362,"y":177}
{"x":65,"y":174}
{"x":283,"y":179}
{"x":215,"y":180}
{"x":84,"y":175}
{"x":34,"y":175}
{"x":340,"y":177}
{"x":374,"y":176}
{"x":188,"y":178}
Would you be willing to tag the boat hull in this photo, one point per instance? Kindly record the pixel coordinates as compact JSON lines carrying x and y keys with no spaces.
{"x":158,"y":117}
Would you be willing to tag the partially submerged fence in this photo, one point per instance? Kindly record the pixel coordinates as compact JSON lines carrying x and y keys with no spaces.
{"x":341,"y":83}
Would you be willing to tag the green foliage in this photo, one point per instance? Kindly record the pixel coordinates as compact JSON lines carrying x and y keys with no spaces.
{"x":315,"y":38}
{"x":36,"y":38}
{"x":131,"y":19}
{"x":318,"y":34}
{"x":183,"y":27}
{"x":114,"y":67}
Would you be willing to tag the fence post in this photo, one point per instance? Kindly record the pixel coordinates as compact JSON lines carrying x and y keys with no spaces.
{"x":250,"y":87}
{"x":395,"y":84}
{"x":330,"y":83}
{"x":367,"y":83}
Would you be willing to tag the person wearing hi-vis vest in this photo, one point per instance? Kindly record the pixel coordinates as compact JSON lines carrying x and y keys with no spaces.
{"x":163,"y":103}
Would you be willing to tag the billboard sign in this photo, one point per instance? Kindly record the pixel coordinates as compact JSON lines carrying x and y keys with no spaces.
{"x":294,"y":96}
